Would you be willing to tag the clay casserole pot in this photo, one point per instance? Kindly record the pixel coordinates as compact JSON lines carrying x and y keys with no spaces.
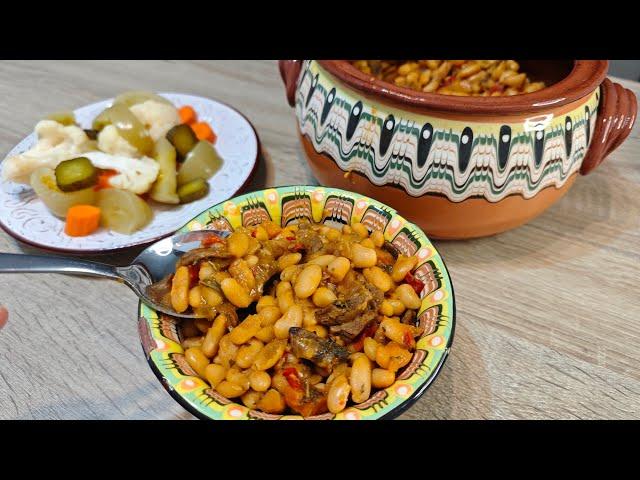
{"x":459,"y":167}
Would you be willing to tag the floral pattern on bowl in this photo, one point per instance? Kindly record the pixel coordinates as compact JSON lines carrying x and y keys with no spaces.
{"x":161,"y":337}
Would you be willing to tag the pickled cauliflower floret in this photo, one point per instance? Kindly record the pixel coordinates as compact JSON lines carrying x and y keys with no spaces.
{"x":134,"y":174}
{"x":158,"y":118}
{"x":55,"y":144}
{"x":110,"y":141}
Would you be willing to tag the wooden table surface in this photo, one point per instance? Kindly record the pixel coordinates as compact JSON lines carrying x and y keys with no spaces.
{"x":548,"y":315}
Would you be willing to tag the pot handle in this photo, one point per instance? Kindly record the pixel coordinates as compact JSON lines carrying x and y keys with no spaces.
{"x":289,"y":71}
{"x":616,"y":116}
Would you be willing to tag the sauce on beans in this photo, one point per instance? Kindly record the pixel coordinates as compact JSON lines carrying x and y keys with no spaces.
{"x":303,"y":319}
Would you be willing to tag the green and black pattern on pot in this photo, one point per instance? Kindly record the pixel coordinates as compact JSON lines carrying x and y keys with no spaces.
{"x":430,"y":155}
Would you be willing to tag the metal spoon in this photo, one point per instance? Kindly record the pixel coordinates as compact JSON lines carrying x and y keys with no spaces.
{"x":152,"y":265}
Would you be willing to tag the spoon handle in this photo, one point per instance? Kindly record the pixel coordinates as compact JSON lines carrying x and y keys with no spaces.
{"x":19,"y":263}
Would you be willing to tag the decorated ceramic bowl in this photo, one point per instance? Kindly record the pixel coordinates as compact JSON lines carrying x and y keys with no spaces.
{"x":161,"y":336}
{"x":459,"y":167}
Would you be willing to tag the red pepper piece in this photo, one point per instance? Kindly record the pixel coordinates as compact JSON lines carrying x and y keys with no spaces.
{"x":291,"y":374}
{"x":194,"y":274}
{"x":416,"y":284}
{"x":370,"y":330}
{"x":210,"y":240}
{"x":408,"y":340}
{"x":103,"y":179}
{"x":358,"y":344}
{"x":296,"y":247}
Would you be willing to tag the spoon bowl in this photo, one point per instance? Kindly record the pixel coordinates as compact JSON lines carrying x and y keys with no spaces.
{"x":152,"y":265}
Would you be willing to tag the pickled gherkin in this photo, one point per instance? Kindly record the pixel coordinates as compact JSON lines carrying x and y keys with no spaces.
{"x":183,"y":139}
{"x":194,"y":190}
{"x":76,"y":174}
{"x":164,"y":189}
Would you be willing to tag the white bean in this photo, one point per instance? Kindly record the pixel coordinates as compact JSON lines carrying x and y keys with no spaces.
{"x":308,"y":281}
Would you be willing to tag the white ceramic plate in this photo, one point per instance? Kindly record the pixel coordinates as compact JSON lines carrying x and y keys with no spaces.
{"x":24,"y":216}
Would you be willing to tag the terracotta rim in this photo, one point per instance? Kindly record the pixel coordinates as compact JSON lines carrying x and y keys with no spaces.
{"x":583,"y":79}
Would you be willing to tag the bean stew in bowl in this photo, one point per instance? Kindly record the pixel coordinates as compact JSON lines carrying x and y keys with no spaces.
{"x":320,"y":304}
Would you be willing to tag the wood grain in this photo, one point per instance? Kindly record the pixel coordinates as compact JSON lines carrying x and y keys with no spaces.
{"x":548,"y":315}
